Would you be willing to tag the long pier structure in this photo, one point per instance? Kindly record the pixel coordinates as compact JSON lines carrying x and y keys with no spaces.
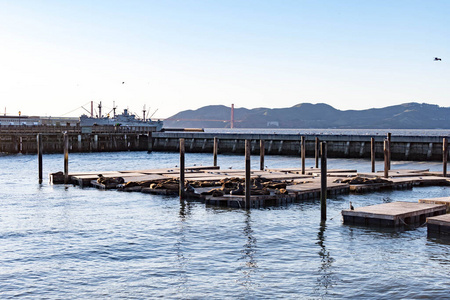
{"x":23,"y":139}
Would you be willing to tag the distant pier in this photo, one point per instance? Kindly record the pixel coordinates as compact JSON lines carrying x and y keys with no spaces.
{"x":22,"y":139}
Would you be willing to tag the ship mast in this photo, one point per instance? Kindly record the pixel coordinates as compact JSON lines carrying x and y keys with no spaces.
{"x":100,"y":109}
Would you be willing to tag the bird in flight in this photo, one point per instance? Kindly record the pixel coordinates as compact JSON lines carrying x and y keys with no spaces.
{"x":437,"y":59}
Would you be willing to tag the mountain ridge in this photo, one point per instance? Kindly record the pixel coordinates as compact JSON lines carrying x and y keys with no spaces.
{"x":411,"y":115}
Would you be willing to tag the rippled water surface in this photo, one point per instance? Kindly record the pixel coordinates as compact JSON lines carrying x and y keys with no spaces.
{"x":63,"y":242}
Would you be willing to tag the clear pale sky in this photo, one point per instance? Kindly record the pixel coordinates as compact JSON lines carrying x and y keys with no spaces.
{"x":56,"y":56}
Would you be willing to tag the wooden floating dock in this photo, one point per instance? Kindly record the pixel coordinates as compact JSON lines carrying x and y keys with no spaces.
{"x":393,"y":214}
{"x":440,"y":200}
{"x":297,"y":186}
{"x":439,"y":226}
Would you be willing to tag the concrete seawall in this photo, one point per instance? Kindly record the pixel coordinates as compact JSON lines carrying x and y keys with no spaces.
{"x":53,"y":143}
{"x":421,"y":148}
{"x":339,"y":146}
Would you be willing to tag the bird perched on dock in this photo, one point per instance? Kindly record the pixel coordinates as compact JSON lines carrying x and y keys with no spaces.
{"x":437,"y":59}
{"x":351,"y":206}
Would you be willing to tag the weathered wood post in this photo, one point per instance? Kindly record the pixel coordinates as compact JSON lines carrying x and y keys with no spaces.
{"x":215,"y":150}
{"x":389,"y":150}
{"x":182,"y":166}
{"x":372,"y":153}
{"x":316,"y":154}
{"x":323,"y":181}
{"x":66,"y":158}
{"x":15,"y":144}
{"x":40,"y":149}
{"x":150,"y":142}
{"x":303,"y":153}
{"x":96,"y":142}
{"x":248,"y":183}
{"x":386,"y":158}
{"x":444,"y":156}
{"x":261,"y":155}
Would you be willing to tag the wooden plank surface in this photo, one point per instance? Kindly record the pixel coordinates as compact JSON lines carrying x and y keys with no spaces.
{"x":442,"y":220}
{"x":394,"y":210}
{"x":310,"y":171}
{"x":314,"y":185}
{"x":440,"y":200}
{"x":144,"y":177}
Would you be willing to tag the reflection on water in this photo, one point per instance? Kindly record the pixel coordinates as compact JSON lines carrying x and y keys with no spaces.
{"x":250,"y":265}
{"x":182,"y":261}
{"x":85,"y":243}
{"x":326,"y":279}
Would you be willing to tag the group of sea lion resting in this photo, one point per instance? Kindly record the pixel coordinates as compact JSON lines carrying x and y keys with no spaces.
{"x":233,"y":186}
{"x":362,"y":180}
{"x":236,"y":186}
{"x":110,"y":181}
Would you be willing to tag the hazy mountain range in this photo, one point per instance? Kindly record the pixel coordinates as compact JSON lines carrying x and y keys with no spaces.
{"x":306,"y":115}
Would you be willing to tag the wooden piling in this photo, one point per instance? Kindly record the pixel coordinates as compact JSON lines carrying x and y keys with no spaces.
{"x":215,"y":150}
{"x":66,"y":158}
{"x":303,"y":153}
{"x":323,"y":181}
{"x":96,"y":141}
{"x":372,"y":153}
{"x":316,"y":150}
{"x":248,"y":183}
{"x":386,"y":158}
{"x":182,"y":167}
{"x":389,"y":150}
{"x":261,"y":155}
{"x":150,"y":142}
{"x":444,"y":157}
{"x":40,"y":148}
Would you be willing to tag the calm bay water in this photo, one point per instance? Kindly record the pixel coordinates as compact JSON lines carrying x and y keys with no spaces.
{"x":63,"y":242}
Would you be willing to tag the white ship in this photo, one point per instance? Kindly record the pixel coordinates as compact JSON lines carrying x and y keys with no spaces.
{"x":124,"y":119}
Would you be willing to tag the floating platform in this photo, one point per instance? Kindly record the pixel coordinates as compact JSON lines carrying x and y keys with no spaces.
{"x":256,"y":201}
{"x":440,"y":200}
{"x":439,"y":226}
{"x":295,"y":186}
{"x":393,"y":214}
{"x":399,"y":183}
{"x":310,"y":189}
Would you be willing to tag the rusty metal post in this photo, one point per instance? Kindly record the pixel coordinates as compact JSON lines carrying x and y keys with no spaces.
{"x":303,"y":153}
{"x":372,"y":153}
{"x":215,"y":150}
{"x":40,"y":149}
{"x":323,"y":181}
{"x":66,"y":157}
{"x":248,"y":183}
{"x":182,"y":167}
{"x":444,"y":156}
{"x":386,"y":158}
